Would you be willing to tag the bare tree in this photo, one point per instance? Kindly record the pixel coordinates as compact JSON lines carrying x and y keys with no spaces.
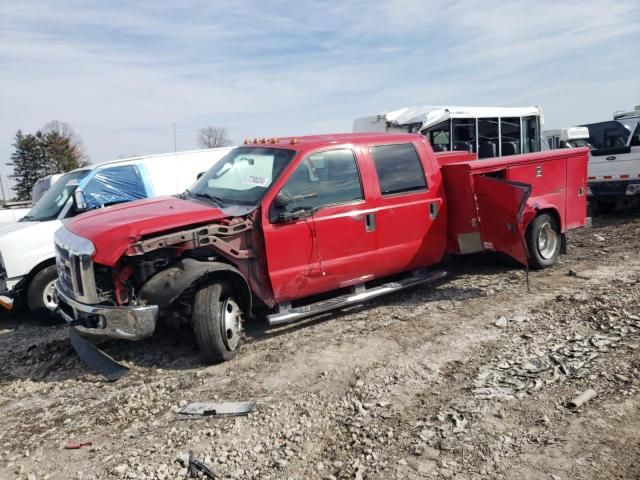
{"x":212,"y":137}
{"x":56,"y":128}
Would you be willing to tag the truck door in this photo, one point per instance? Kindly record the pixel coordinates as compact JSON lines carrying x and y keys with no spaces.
{"x":410,"y":218}
{"x":319,"y":234}
{"x":500,"y":205}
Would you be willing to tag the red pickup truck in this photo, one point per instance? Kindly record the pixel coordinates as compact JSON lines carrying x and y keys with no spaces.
{"x":297,"y":226}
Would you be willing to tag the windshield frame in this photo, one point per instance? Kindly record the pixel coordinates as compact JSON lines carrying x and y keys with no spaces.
{"x":54,"y":191}
{"x":200,"y":189}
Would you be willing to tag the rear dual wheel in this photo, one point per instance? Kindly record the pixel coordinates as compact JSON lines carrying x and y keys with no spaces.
{"x":217,"y":322}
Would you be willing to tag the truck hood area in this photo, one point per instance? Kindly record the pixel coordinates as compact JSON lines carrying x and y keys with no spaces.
{"x":113,"y":229}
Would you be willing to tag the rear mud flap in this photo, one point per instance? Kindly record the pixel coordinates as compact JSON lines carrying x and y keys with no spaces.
{"x":95,"y":358}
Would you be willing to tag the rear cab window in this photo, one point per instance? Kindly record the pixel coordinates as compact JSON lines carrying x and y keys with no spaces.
{"x":399,"y":169}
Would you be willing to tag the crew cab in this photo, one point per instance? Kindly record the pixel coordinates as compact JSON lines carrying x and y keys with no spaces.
{"x":293,"y":227}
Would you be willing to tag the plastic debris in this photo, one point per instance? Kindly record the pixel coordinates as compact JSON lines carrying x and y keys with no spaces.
{"x":218,"y":408}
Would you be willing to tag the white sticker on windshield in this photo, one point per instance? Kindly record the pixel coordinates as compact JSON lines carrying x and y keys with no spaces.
{"x":256,"y":180}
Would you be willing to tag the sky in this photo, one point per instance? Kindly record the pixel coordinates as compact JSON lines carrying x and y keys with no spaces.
{"x":121,"y":73}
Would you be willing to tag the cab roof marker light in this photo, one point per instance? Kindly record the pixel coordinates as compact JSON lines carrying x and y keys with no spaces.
{"x":293,"y":141}
{"x":246,"y":141}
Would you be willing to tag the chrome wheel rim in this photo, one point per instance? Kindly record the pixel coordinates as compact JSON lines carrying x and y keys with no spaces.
{"x":49,"y":296}
{"x":231,"y":323}
{"x":547,"y":241}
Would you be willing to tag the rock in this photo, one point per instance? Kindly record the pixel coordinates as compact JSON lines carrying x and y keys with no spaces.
{"x":599,"y":238}
{"x":501,"y":322}
{"x":120,"y":469}
{"x":422,"y":465}
{"x":543,"y":420}
{"x":572,"y":273}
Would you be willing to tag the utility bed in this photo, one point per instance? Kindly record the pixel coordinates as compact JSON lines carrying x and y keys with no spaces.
{"x":490,"y":200}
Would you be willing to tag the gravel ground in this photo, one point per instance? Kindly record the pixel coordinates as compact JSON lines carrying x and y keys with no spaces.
{"x":467,"y":379}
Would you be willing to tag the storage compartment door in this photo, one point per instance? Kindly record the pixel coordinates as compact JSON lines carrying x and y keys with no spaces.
{"x":500,"y":205}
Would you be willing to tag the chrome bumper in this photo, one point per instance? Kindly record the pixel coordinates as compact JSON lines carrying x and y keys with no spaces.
{"x":128,"y":323}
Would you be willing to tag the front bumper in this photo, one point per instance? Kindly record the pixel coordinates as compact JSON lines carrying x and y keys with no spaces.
{"x":614,"y":189}
{"x":100,"y":321}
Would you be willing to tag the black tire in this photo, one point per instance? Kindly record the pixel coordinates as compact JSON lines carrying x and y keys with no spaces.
{"x":543,"y":254}
{"x":210,"y":305}
{"x":39,"y":300}
{"x":606,"y":207}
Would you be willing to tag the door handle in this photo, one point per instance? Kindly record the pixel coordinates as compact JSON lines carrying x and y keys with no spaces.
{"x":433,"y":210}
{"x":370,"y":222}
{"x":611,"y":157}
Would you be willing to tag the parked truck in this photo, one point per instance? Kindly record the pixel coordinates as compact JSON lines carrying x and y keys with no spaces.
{"x":293,"y":227}
{"x":614,"y":167}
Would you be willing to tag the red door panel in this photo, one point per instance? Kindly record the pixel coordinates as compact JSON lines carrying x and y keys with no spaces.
{"x":330,"y":250}
{"x":500,"y":206}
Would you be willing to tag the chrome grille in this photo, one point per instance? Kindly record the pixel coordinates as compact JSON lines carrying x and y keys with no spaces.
{"x":75,"y":267}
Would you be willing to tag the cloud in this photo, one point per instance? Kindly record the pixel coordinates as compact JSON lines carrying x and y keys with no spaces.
{"x":122,"y":72}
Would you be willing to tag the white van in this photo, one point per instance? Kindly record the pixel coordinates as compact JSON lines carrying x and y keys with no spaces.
{"x":27,"y":256}
{"x":12,"y":213}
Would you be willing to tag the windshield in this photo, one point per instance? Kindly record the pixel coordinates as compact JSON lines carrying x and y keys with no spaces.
{"x":50,"y":205}
{"x":243,"y":175}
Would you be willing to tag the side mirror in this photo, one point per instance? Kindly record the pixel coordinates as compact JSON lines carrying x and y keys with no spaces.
{"x":80,"y":201}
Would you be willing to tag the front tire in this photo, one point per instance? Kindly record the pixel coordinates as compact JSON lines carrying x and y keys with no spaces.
{"x":40,"y":294}
{"x":217,"y":322}
{"x":543,"y":241}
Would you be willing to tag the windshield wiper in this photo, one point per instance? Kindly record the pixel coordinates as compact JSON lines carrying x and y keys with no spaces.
{"x":218,"y":200}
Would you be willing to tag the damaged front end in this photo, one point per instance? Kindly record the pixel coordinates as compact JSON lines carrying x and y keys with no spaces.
{"x":150,"y":281}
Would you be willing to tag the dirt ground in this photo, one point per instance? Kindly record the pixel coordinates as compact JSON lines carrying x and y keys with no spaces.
{"x":467,"y":379}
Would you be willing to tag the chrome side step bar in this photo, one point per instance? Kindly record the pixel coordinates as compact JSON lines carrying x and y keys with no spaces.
{"x":358,"y":294}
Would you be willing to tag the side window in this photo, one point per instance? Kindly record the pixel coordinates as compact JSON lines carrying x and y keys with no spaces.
{"x":115,"y":185}
{"x":399,"y":169}
{"x":439,"y":137}
{"x":322,"y":179}
{"x":635,"y":140}
{"x":464,"y":134}
{"x":530,"y":134}
{"x":510,"y":131}
{"x":488,"y":138}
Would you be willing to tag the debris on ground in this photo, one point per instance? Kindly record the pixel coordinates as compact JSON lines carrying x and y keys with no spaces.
{"x":218,"y":408}
{"x":420,"y":384}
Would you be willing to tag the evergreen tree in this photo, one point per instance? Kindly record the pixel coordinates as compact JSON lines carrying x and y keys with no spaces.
{"x":56,"y":150}
{"x":28,"y":163}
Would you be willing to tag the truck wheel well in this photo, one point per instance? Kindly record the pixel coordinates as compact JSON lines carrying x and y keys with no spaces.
{"x":34,"y":271}
{"x":182,"y":279}
{"x":237,"y":281}
{"x":551,"y":211}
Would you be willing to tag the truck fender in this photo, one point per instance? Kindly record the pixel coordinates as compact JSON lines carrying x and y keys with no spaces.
{"x":166,"y":286}
{"x":538,"y":209}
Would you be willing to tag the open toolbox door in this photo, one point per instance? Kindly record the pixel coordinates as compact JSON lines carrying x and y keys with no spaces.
{"x":500,"y":205}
